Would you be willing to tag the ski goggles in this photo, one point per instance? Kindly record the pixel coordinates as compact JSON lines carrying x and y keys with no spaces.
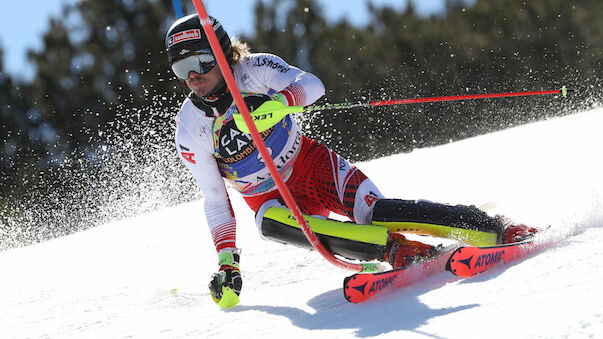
{"x":201,"y":62}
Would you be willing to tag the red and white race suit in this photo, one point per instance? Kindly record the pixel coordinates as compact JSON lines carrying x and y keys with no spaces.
{"x":212,"y":148}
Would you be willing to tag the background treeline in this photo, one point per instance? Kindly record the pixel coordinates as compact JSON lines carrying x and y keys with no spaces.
{"x":89,"y":138}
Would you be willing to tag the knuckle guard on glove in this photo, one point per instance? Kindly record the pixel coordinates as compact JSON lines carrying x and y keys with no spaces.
{"x":229,"y":274}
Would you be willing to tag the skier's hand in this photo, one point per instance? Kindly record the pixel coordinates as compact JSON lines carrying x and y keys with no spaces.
{"x":265,"y":111}
{"x":280,"y":98}
{"x":228,"y":276}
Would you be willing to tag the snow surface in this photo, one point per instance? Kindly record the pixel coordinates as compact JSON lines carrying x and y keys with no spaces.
{"x":115,"y":280}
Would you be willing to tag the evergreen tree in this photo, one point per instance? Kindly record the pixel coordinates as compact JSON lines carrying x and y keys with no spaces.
{"x":491,"y":46}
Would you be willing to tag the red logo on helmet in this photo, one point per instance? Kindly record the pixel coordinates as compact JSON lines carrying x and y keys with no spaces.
{"x":184,"y":36}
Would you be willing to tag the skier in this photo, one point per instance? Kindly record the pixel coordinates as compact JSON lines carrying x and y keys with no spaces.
{"x":212,"y":148}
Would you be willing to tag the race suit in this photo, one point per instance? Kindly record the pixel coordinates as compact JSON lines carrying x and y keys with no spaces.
{"x":212,"y":148}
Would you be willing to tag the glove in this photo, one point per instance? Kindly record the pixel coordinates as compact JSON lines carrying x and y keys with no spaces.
{"x":227,"y":278}
{"x":264,"y":112}
{"x":280,"y":98}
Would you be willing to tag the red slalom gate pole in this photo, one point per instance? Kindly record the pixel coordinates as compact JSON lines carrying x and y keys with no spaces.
{"x":282,"y":187}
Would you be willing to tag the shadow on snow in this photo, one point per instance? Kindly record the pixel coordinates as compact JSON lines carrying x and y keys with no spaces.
{"x":396,"y":311}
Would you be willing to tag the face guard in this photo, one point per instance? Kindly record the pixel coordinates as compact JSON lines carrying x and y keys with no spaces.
{"x":201,"y":62}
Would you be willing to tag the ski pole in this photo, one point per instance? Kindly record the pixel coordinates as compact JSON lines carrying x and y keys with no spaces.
{"x":271,"y":112}
{"x":307,"y":109}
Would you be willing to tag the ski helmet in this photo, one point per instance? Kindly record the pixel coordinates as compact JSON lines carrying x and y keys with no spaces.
{"x":186,"y":36}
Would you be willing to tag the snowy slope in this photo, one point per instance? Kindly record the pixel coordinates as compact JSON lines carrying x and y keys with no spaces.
{"x":115,"y":280}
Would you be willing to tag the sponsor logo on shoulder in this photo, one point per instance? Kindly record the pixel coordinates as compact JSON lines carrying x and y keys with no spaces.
{"x":267,"y":62}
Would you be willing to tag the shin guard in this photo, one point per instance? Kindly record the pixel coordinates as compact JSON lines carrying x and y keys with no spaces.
{"x":352,"y":241}
{"x":464,"y":223}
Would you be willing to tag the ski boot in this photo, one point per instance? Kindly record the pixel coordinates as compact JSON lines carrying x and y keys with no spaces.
{"x":400,"y":251}
{"x":514,"y":233}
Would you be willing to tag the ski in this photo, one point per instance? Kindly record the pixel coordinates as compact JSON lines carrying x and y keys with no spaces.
{"x":363,"y":286}
{"x":470,"y":260}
